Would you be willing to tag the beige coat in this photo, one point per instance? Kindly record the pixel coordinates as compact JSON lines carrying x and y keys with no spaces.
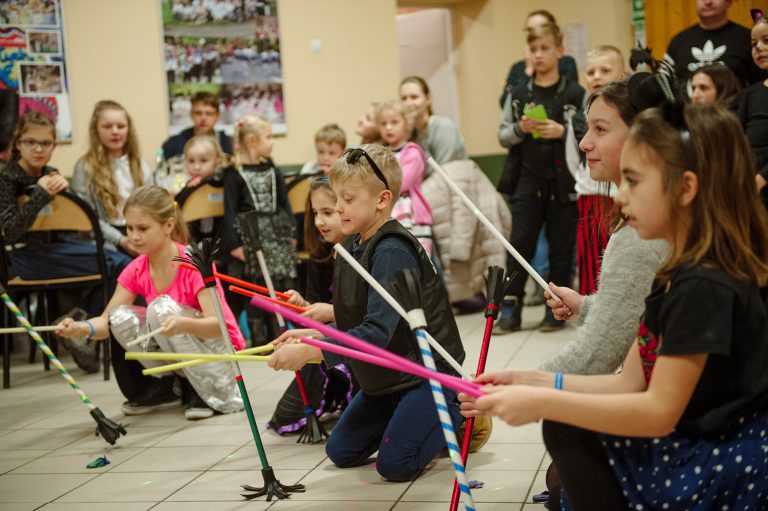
{"x":466,"y":247}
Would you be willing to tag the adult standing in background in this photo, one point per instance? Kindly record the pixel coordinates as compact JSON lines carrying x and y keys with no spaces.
{"x":713,"y":39}
{"x":522,"y":70}
{"x":437,"y":135}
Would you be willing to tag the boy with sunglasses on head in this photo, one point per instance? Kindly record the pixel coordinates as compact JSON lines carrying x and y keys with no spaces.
{"x":394,"y":412}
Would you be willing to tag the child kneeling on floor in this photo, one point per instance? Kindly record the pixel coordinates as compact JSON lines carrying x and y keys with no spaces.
{"x":394,"y":412}
{"x":178,"y":302}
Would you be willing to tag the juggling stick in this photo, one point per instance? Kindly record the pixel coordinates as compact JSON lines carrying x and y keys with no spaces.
{"x":22,"y":330}
{"x":496,"y":286}
{"x":205,"y":357}
{"x":245,"y":292}
{"x":492,"y":228}
{"x":408,"y":291}
{"x":313,"y":432}
{"x":340,"y":250}
{"x":144,"y":337}
{"x":200,"y":256}
{"x":243,"y":283}
{"x":208,"y":357}
{"x":197,"y":361}
{"x":366,"y":351}
{"x":108,"y":429}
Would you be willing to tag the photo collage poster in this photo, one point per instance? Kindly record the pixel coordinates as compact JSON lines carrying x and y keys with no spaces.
{"x":32,"y":59}
{"x":230,"y":47}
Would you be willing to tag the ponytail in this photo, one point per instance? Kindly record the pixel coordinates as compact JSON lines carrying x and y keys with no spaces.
{"x":158,"y":203}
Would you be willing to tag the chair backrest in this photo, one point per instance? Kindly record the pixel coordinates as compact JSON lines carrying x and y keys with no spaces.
{"x":298,"y":191}
{"x":69,"y":211}
{"x":65,"y":212}
{"x":206,"y":201}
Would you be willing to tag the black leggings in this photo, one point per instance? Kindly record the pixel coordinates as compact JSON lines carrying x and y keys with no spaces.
{"x":583,"y":466}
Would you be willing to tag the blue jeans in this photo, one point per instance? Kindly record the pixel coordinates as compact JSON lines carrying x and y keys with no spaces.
{"x":70,"y":258}
{"x":403,"y":427}
{"x":540,"y":261}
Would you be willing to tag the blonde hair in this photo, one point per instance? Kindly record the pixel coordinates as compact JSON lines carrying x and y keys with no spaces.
{"x":213,"y":144}
{"x":331,"y":134}
{"x":361,"y":170}
{"x":399,"y":108}
{"x":158,"y":203}
{"x":98,"y":169}
{"x":247,"y":125}
{"x":607,"y":50}
{"x":547,"y":29}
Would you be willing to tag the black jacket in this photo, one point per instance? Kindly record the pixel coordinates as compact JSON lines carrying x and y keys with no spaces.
{"x":350,"y":304}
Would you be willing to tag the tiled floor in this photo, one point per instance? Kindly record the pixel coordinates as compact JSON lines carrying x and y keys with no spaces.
{"x":166,"y":463}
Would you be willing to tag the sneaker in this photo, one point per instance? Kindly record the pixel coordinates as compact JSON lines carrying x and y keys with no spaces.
{"x":157,"y":397}
{"x":82,"y":349}
{"x":509,"y":320}
{"x":536,"y":298}
{"x":330,"y":416}
{"x":481,"y":432}
{"x":470,"y":305}
{"x":197,"y":409}
{"x":549,"y":323}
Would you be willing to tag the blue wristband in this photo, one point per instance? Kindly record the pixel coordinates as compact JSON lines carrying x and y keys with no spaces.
{"x":93,"y":330}
{"x":559,"y":380}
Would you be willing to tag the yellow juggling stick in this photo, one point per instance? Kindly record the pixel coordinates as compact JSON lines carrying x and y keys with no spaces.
{"x":198,"y":361}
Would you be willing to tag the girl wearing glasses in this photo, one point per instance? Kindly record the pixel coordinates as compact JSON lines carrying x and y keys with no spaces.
{"x":39,"y":255}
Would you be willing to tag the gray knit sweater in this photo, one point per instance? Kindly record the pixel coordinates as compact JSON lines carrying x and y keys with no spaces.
{"x":609,"y":318}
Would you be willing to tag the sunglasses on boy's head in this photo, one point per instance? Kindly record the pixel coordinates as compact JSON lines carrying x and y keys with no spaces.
{"x":353,"y":156}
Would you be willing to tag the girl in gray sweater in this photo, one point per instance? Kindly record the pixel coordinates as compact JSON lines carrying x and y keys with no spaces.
{"x":607,"y":320}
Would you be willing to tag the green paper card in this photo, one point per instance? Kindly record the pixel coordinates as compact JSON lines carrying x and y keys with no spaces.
{"x":537,"y":112}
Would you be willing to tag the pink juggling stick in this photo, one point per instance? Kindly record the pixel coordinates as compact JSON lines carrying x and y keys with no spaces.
{"x":373,"y":354}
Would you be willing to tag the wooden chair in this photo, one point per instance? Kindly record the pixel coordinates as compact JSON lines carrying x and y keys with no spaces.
{"x":205,"y":201}
{"x":67,"y":211}
{"x":298,"y":191}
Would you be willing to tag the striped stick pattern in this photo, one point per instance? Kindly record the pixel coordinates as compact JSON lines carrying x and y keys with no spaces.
{"x":445,"y":421}
{"x":46,"y":350}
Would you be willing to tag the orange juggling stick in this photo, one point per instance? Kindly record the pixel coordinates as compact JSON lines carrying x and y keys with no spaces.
{"x":250,"y":294}
{"x":243,"y":283}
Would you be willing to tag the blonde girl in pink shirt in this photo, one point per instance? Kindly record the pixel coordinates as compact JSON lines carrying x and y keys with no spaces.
{"x":177,"y":303}
{"x":411,"y":209}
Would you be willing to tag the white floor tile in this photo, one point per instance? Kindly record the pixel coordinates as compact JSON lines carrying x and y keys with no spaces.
{"x":167,"y":463}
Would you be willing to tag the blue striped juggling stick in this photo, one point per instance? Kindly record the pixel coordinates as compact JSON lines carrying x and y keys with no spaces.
{"x":406,"y":288}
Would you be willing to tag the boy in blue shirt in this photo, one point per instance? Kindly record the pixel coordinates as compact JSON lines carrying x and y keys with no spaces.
{"x":394,"y":412}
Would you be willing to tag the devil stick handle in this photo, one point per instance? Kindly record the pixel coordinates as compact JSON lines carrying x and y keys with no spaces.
{"x":492,"y":228}
{"x":44,"y":348}
{"x":407,"y":290}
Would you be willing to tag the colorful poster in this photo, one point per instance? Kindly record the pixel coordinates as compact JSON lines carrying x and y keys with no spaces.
{"x":231,"y":47}
{"x":32,"y":59}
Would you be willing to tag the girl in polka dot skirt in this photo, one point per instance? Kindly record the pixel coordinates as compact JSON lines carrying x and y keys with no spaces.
{"x":684,"y":425}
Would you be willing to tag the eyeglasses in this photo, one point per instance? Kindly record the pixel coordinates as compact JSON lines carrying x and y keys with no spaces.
{"x":30,"y":143}
{"x":353,"y":155}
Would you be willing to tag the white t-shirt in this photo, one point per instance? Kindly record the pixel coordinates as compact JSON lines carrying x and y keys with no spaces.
{"x":121,"y":170}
